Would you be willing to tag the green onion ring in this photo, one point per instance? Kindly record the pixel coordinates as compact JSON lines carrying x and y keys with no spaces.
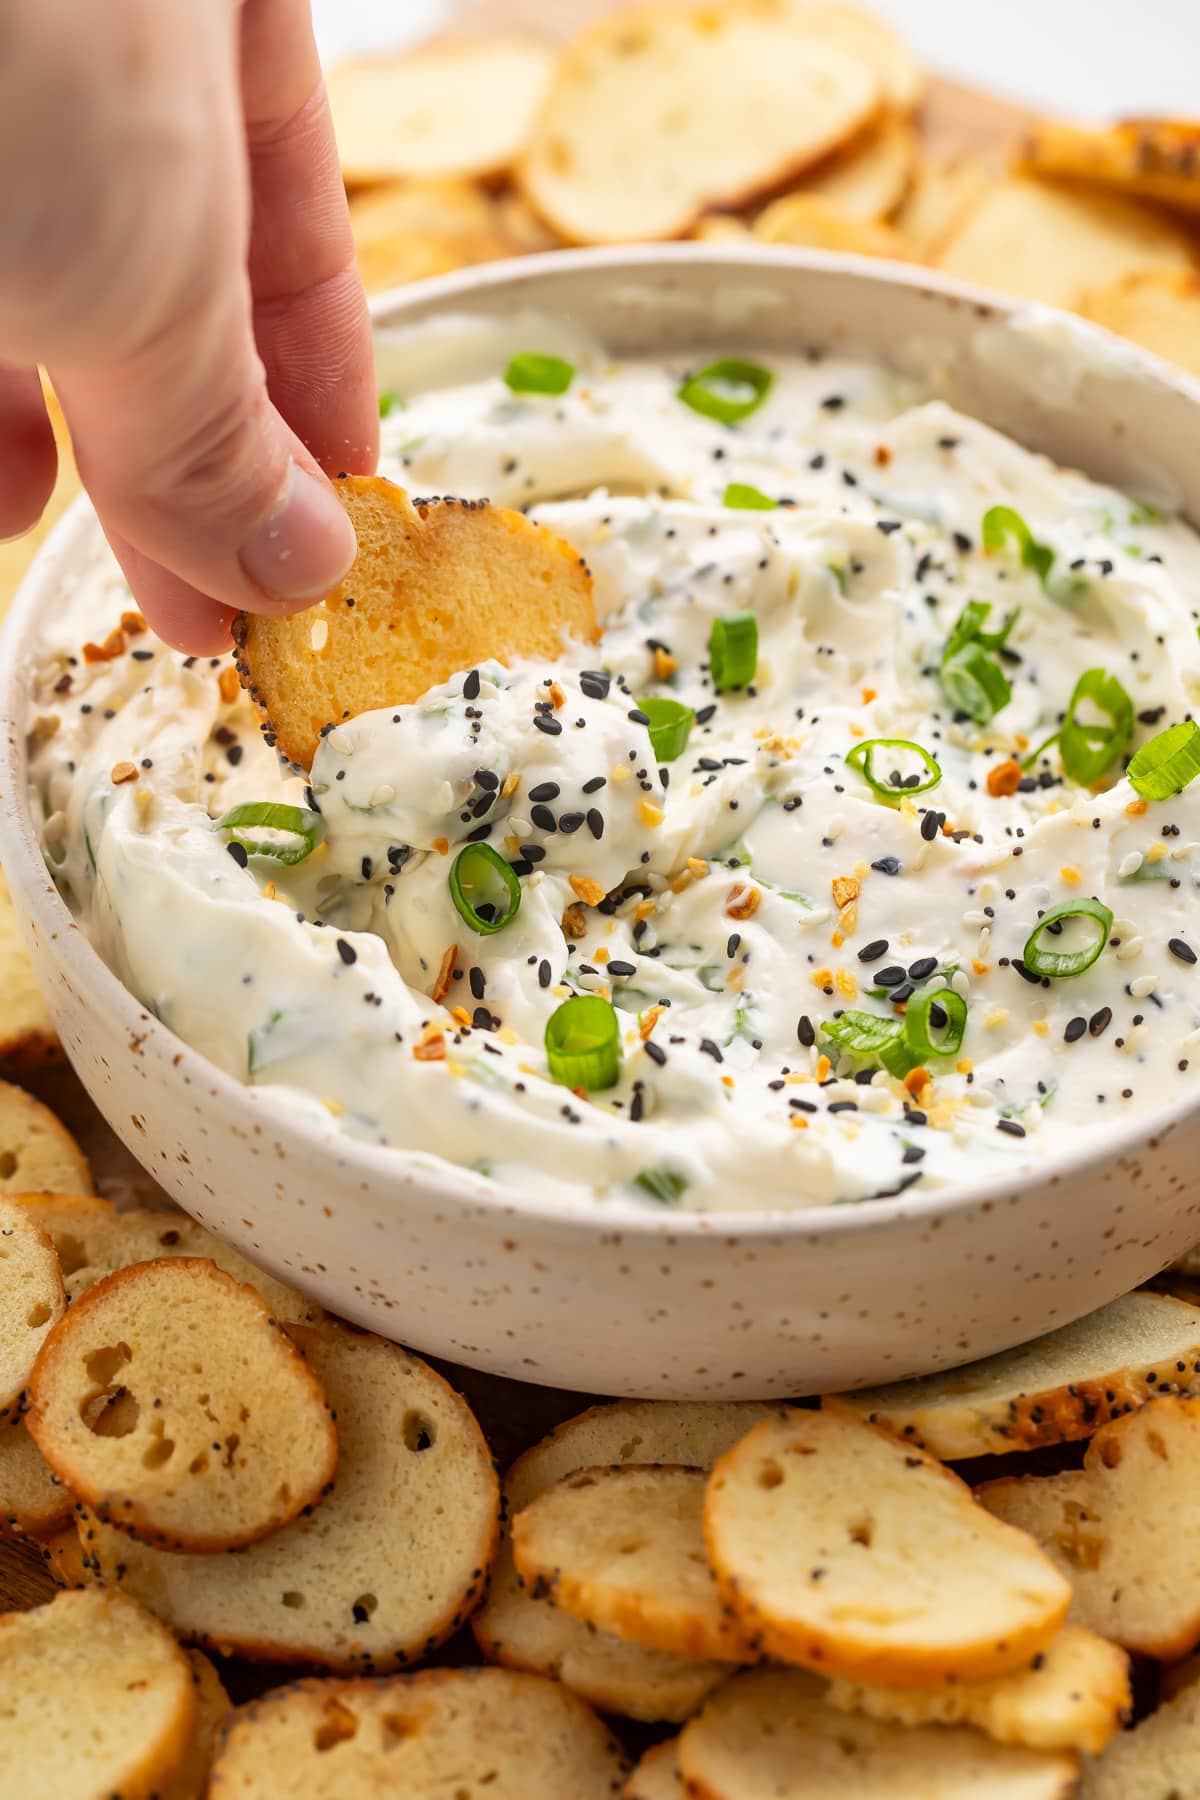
{"x":1163,"y":767}
{"x":741,"y":497}
{"x":479,"y":878}
{"x":975,"y":684}
{"x":583,"y":1043}
{"x":861,"y":759}
{"x":917,"y":1036}
{"x":733,"y":651}
{"x":701,"y":391}
{"x":1057,"y":964}
{"x":1089,"y":751}
{"x":670,"y":725}
{"x":272,"y":815}
{"x":1000,"y":523}
{"x":533,"y":372}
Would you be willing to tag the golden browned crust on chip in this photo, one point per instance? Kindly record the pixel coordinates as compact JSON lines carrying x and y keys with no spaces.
{"x":437,"y":585}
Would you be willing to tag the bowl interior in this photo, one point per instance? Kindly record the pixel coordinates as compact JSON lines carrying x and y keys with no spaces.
{"x":1053,"y":383}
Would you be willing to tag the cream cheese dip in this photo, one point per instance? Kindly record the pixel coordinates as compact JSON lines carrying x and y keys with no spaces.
{"x":892,"y":913}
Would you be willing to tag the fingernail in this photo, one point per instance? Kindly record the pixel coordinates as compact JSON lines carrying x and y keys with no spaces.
{"x":304,"y":545}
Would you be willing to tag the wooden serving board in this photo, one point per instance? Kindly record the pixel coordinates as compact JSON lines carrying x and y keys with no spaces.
{"x":953,"y":119}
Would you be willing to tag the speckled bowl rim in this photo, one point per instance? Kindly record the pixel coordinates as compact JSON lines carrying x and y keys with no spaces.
{"x":441,"y":1181}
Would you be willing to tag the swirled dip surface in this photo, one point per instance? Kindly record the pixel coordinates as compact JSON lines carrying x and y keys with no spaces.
{"x":732,"y":903}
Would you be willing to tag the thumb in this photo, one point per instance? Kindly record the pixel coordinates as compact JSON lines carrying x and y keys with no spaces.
{"x":189,"y":463}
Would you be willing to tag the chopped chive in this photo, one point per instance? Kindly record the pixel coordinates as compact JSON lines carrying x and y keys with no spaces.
{"x":583,"y":1043}
{"x":1001,"y":523}
{"x":1164,"y":767}
{"x":485,"y":892}
{"x":1043,"y":960}
{"x":304,"y":829}
{"x":670,"y":723}
{"x":733,"y":650}
{"x":741,"y":497}
{"x":893,"y":790}
{"x":390,"y":401}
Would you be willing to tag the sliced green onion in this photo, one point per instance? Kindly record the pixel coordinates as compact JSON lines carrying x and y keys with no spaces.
{"x":975,"y":684}
{"x":1041,"y":959}
{"x":968,"y":629}
{"x":1001,"y":523}
{"x":664,"y":1184}
{"x":531,"y":372}
{"x":485,"y":892}
{"x":894,"y":789}
{"x":583,"y":1043}
{"x":670,"y":725}
{"x":900,"y":1045}
{"x":918,"y":1036}
{"x":728,"y":390}
{"x":304,"y":828}
{"x":1088,"y":749}
{"x":733,"y":650}
{"x":1164,"y":767}
{"x":863,"y":1033}
{"x":390,"y":401}
{"x":744,"y":498}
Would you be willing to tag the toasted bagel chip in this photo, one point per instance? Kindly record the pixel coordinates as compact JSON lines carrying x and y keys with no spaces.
{"x":657,"y":1775}
{"x":1158,"y":1760}
{"x":96,"y":1699}
{"x":623,"y":1550}
{"x":63,"y":1556}
{"x":1052,"y":242}
{"x":1153,"y":159}
{"x":410,"y":230}
{"x":31,"y":1301}
{"x":729,"y":103}
{"x":94,"y":1239}
{"x":941,"y":196}
{"x":521,"y":1632}
{"x":444,"y":1733}
{"x":27,"y":1035}
{"x":1057,"y":1388}
{"x":869,"y":178}
{"x":170,"y":1402}
{"x":33,"y":1502}
{"x":1115,"y":1528}
{"x":768,"y":1734}
{"x":1074,"y":1695}
{"x":845,"y":1550}
{"x":867,"y":38}
{"x":37,"y":1152}
{"x":1160,"y":310}
{"x":190,"y":1780}
{"x":462,"y":108}
{"x":387,"y":1566}
{"x":812,"y":221}
{"x":437,"y":586}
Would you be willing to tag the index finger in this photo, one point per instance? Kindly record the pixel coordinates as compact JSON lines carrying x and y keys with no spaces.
{"x":310,"y":313}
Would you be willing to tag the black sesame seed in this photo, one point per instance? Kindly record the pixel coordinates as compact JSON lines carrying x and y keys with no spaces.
{"x":924,"y":965}
{"x":710,"y":1049}
{"x":478,"y":982}
{"x":840,"y":1106}
{"x":347,"y":952}
{"x":1183,"y":951}
{"x":470,"y":686}
{"x":892,"y":976}
{"x":543,"y":818}
{"x":1075,"y":1029}
{"x":544,"y":973}
{"x":1011,"y":1126}
{"x":1100,"y":1021}
{"x":805,"y":1031}
{"x":622,"y":969}
{"x":887,"y":865}
{"x":931,"y":824}
{"x":873,"y":951}
{"x":238,"y":853}
{"x":655,"y":1052}
{"x":595,"y":684}
{"x":545,"y":790}
{"x":569,"y":821}
{"x":549,"y":725}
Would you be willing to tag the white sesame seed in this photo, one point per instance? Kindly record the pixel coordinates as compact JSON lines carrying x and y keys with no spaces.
{"x":1143,"y":986}
{"x":1131,"y":949}
{"x":960,"y":981}
{"x":974,"y":917}
{"x":383,"y":795}
{"x":1129,"y":865}
{"x":1180,"y":851}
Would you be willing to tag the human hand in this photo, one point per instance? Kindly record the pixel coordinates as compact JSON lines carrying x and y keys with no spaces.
{"x":175,"y":248}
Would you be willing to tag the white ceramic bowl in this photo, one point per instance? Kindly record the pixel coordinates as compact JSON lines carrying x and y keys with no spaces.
{"x":623,"y":1298}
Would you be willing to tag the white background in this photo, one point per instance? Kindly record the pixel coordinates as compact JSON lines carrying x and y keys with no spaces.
{"x":1087,"y":58}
